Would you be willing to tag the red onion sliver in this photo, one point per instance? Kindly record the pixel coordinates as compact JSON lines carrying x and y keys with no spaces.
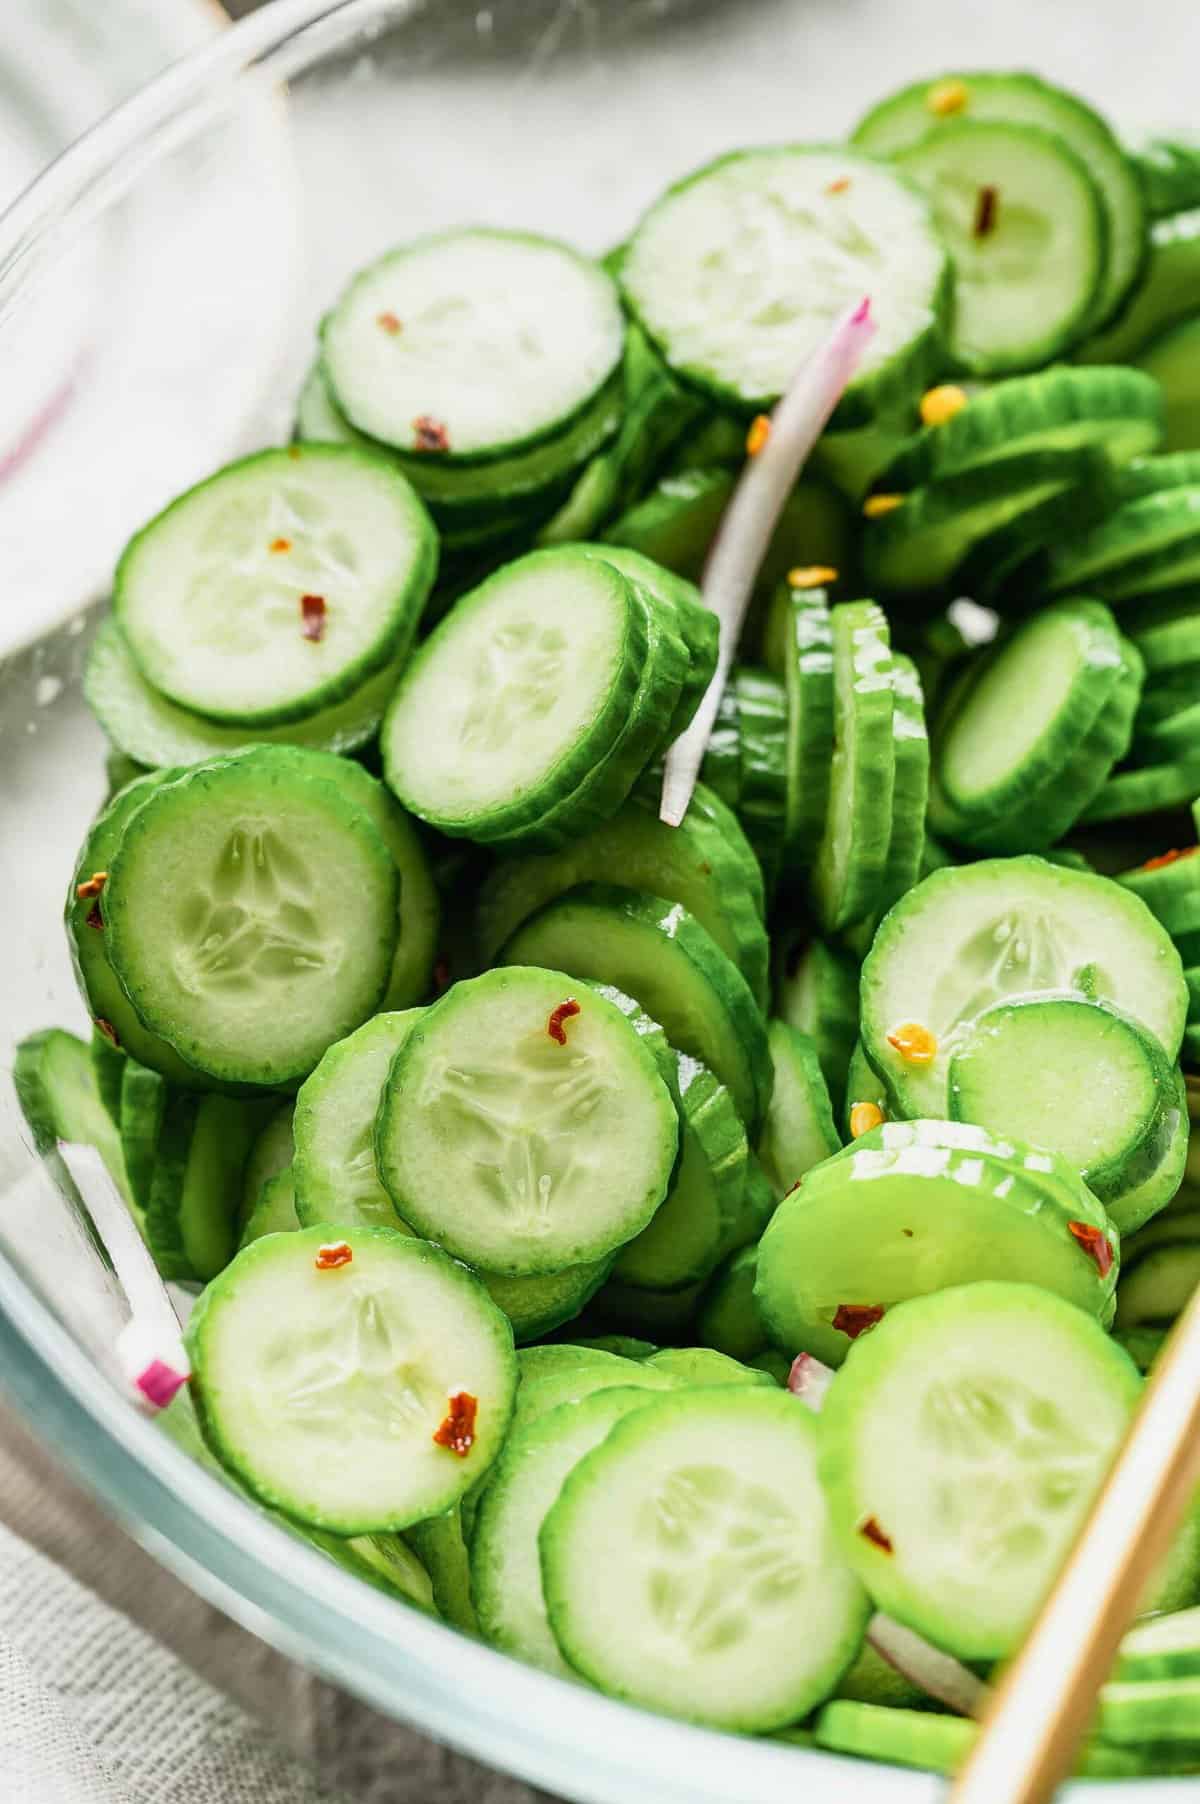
{"x":155,"y":1365}
{"x":939,"y":1675}
{"x":809,"y":1380}
{"x":742,"y":539}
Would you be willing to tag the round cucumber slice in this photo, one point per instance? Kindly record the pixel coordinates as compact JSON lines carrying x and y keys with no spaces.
{"x":536,"y":1306}
{"x":910,"y":785}
{"x":1072,"y":1076}
{"x":848,"y":871}
{"x":250,"y":911}
{"x":277,"y":586}
{"x":190,"y":1220}
{"x":1026,"y":231}
{"x":1024,"y":99}
{"x":404,"y":345}
{"x":971,"y":935}
{"x":961,"y":1447}
{"x":1166,"y":521}
{"x":1165,"y":294}
{"x":657,"y":952}
{"x":323,"y":1386}
{"x":334,"y":1170}
{"x":741,"y":269}
{"x":524,"y":1128}
{"x":54,"y":1077}
{"x":805,"y":656}
{"x":917,"y":1206}
{"x":729,"y":1605}
{"x":1152,"y":1710}
{"x":1171,"y":361}
{"x":1168,"y":1647}
{"x":275,"y":1210}
{"x":503,"y":711}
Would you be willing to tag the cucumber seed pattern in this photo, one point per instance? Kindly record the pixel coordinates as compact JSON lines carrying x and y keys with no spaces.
{"x":514,"y":682}
{"x":245,"y":592}
{"x":1011,"y":1464}
{"x":725,"y":1553}
{"x":518,"y":1122}
{"x":252,"y":921}
{"x":1013,"y":955}
{"x":357,"y":1364}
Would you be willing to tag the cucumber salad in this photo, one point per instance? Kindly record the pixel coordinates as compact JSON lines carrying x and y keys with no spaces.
{"x":514,"y":1135}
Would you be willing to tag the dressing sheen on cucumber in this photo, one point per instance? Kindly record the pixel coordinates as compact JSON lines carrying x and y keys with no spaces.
{"x":694,"y":1259}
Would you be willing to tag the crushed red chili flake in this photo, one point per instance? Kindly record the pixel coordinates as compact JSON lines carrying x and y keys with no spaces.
{"x":840,"y":186}
{"x":556,"y":1025}
{"x":1171,"y":857}
{"x":281,"y":544}
{"x":334,"y":1254}
{"x":312,"y":617}
{"x":985,"y":210}
{"x":92,"y":887}
{"x":388,"y":322}
{"x":854,"y":1319}
{"x":871,"y":1531}
{"x":457,"y":1429}
{"x":1095,"y":1243}
{"x":107,"y":1029}
{"x":95,"y":918}
{"x":441,"y":975}
{"x":429,"y":434}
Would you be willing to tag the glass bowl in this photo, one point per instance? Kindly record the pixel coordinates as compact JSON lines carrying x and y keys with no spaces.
{"x":159,"y":289}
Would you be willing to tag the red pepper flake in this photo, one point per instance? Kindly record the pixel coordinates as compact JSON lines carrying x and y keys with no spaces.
{"x":556,"y":1025}
{"x":387,"y":322}
{"x":429,"y":434}
{"x":986,"y":206}
{"x":1095,"y":1243}
{"x":334,"y":1254}
{"x":312,"y":617}
{"x":853,"y":1319}
{"x":108,"y":1030}
{"x":94,"y":884}
{"x":759,"y":433}
{"x":871,"y":1531}
{"x":457,"y":1430}
{"x":278,"y":545}
{"x":95,"y":918}
{"x":441,"y":975}
{"x":840,"y":186}
{"x":1171,"y":857}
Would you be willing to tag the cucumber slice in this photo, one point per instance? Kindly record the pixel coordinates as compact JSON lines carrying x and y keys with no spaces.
{"x":215,"y":596}
{"x":1129,"y":793}
{"x":441,"y":1549}
{"x":687,"y":1235}
{"x":143,"y":1105}
{"x":1168,"y":1647}
{"x":918,"y":1206}
{"x":542,"y":320}
{"x":1025,"y":227}
{"x":270,"y":1154}
{"x":627,"y":1345}
{"x":728,"y":1318}
{"x":1073,"y":1076}
{"x":847,"y":876}
{"x":506,"y":1577}
{"x":275,"y":1210}
{"x":1143,"y":1345}
{"x":910,"y":785}
{"x":1118,"y":411}
{"x":940,"y":1744}
{"x":1133,"y":1208}
{"x":705,"y":864}
{"x":154,"y":731}
{"x":659,"y":953}
{"x":538,"y":1305}
{"x":1152,"y":1710}
{"x":961,"y":1447}
{"x":749,"y":1637}
{"x":817,"y":995}
{"x":251,"y":911}
{"x":1171,"y":361}
{"x":334,"y":1168}
{"x":970,"y":935}
{"x":503,"y":713}
{"x":1169,"y":172}
{"x":323,"y":1389}
{"x":666,"y":1314}
{"x":1022,"y":99}
{"x":1165,"y":295}
{"x":703,"y":1367}
{"x":997,"y":768}
{"x":1170,"y":889}
{"x":872,"y":1680}
{"x":799,"y":1132}
{"x":696,"y":624}
{"x":202,"y":1149}
{"x":805,"y":654}
{"x":524,"y":1138}
{"x":55,"y":1081}
{"x":1159,"y":1288}
{"x":1164,"y":522}
{"x":108,"y":1063}
{"x":739,"y":270}
{"x":545,"y":1386}
{"x":863,"y":1085}
{"x":764,"y":777}
{"x":676,"y":522}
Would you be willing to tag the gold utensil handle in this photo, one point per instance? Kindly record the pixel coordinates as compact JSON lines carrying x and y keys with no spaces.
{"x":1045,"y":1703}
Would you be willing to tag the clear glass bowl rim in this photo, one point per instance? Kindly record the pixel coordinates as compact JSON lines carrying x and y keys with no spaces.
{"x":553,"y":1733}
